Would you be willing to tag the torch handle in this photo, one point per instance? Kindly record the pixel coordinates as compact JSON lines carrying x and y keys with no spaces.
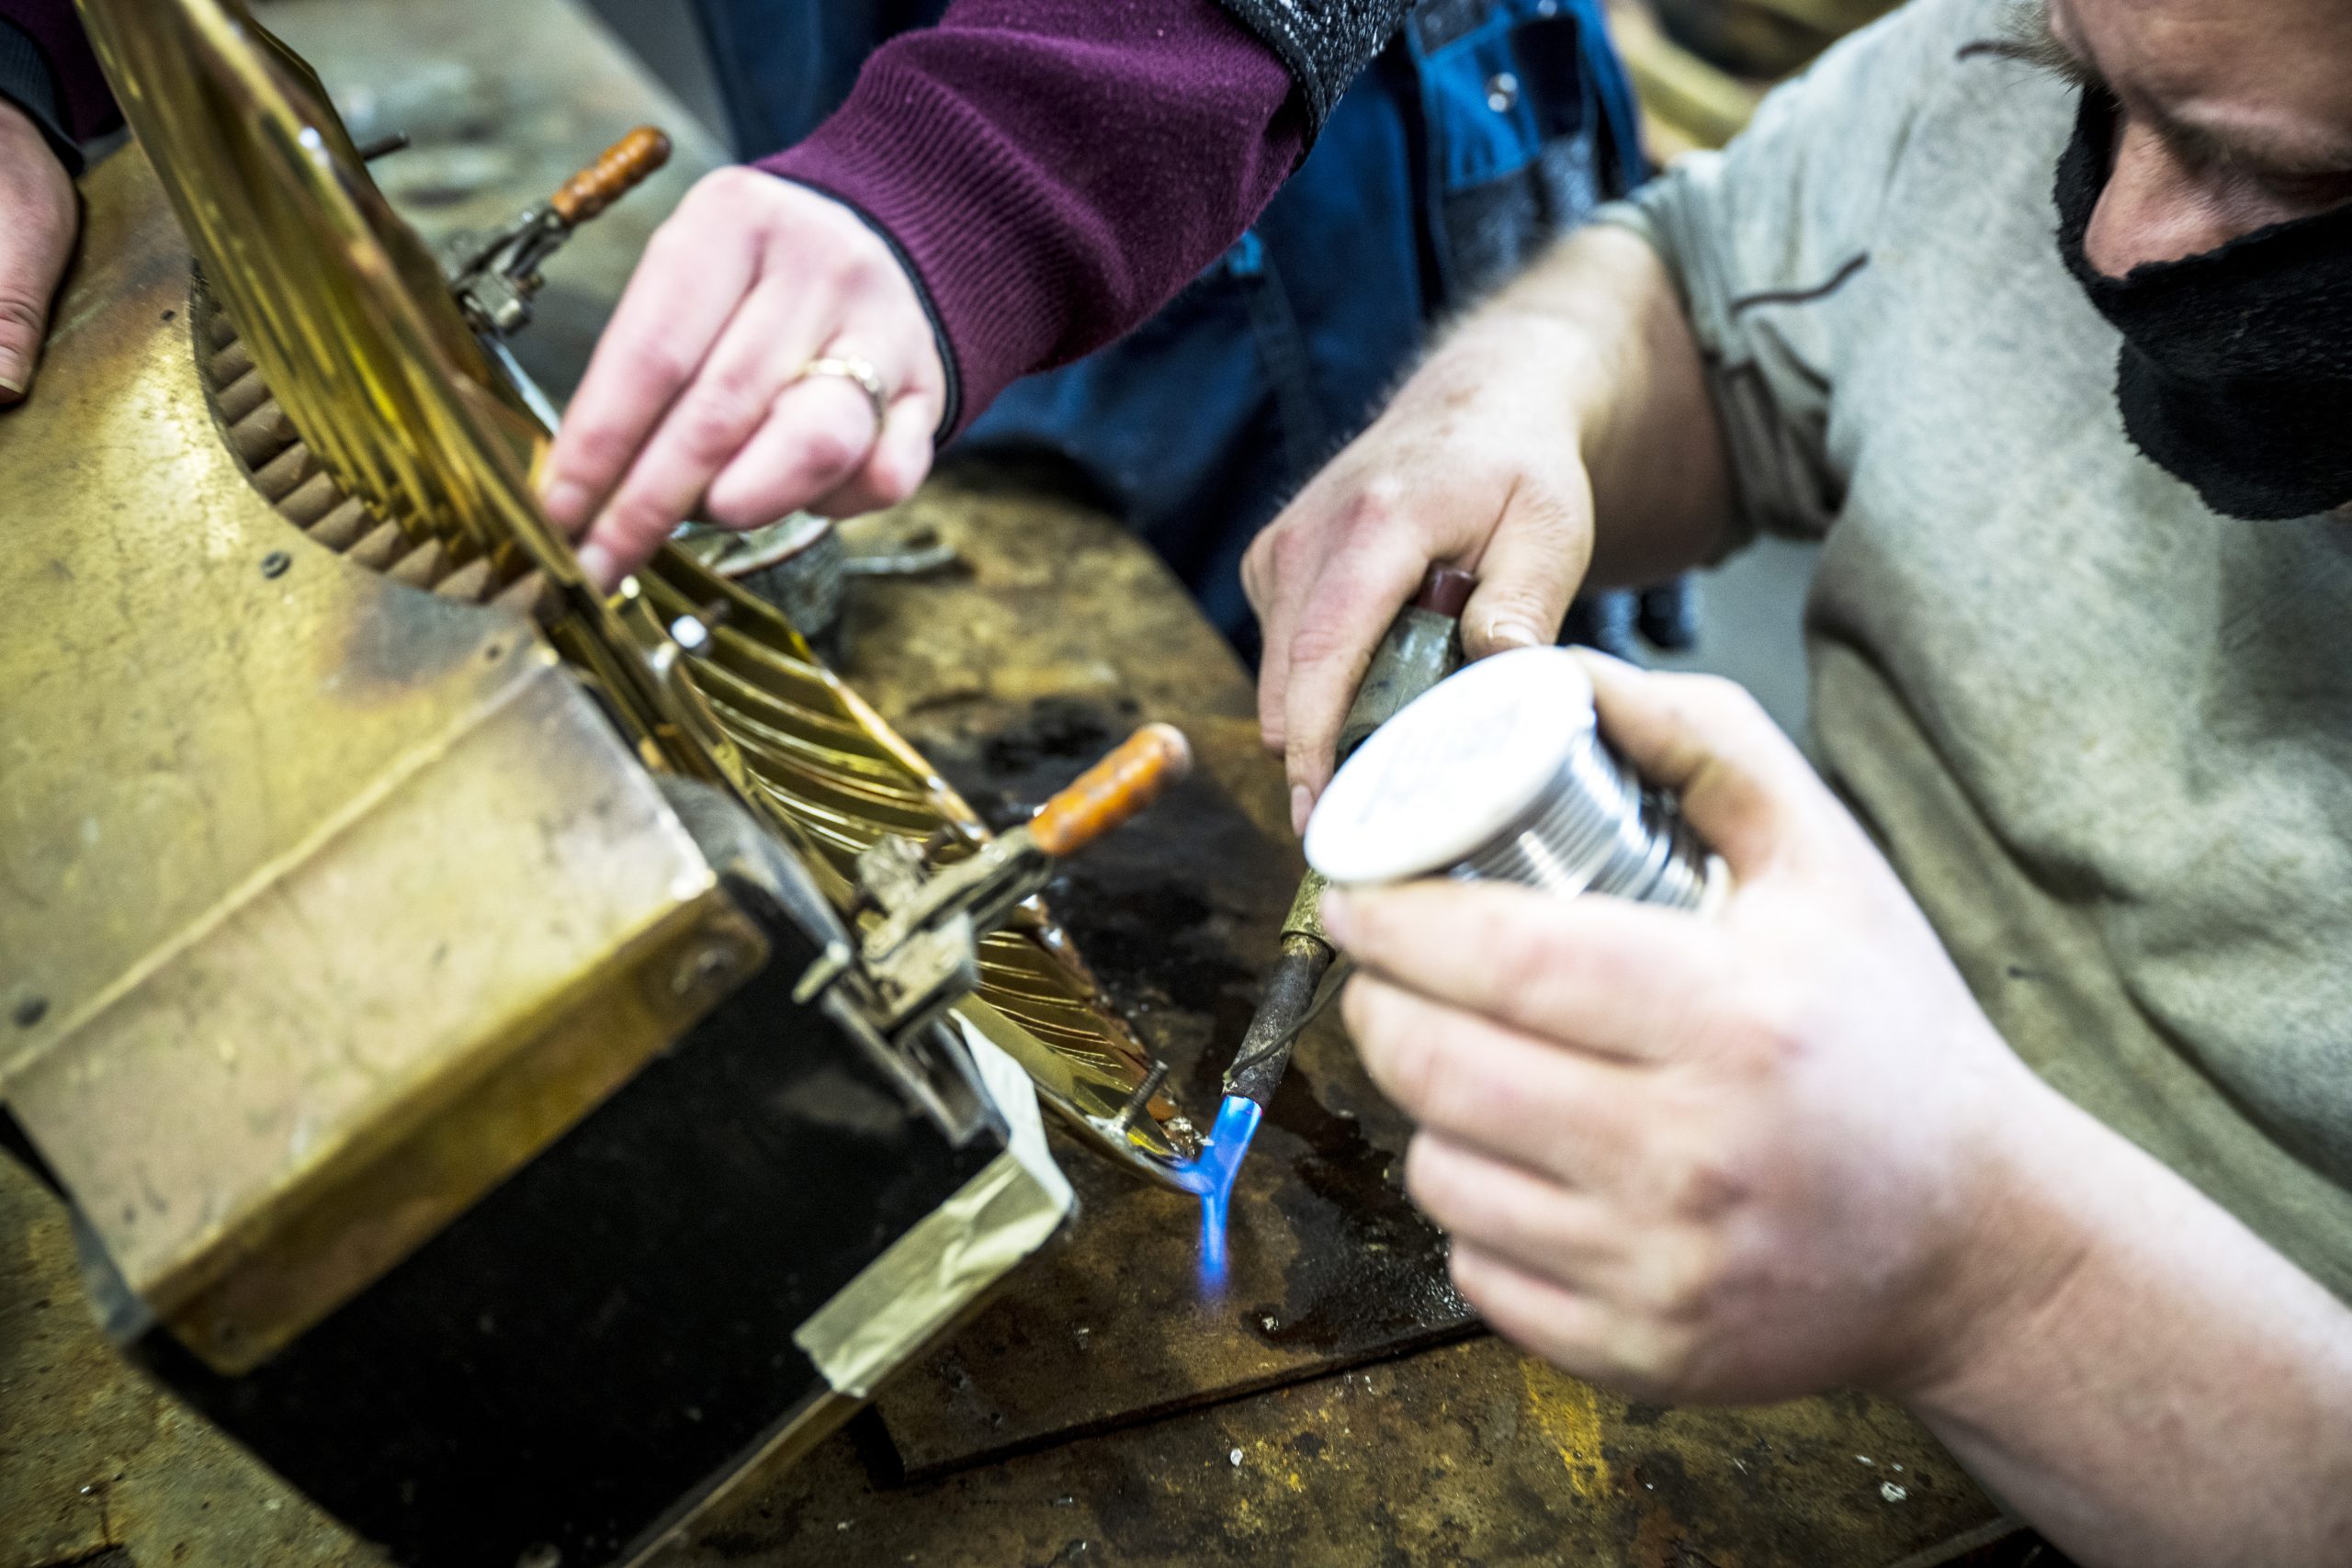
{"x":620,"y":169}
{"x":1423,"y":646}
{"x":1112,"y":790}
{"x":1444,"y":590}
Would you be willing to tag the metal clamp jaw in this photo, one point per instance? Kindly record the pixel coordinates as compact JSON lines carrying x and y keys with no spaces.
{"x":922,"y":953}
{"x":925,"y":952}
{"x":494,"y":276}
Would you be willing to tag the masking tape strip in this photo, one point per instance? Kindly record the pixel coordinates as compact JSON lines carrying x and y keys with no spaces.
{"x":929,"y":1275}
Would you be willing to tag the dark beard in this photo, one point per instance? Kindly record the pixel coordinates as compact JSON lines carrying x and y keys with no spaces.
{"x":2235,"y":373}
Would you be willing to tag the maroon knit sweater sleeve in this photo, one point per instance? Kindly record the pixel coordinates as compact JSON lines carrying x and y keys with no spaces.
{"x":85,"y":106}
{"x":1054,"y":170}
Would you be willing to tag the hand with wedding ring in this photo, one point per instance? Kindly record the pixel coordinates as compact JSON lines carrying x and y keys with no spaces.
{"x":769,"y":355}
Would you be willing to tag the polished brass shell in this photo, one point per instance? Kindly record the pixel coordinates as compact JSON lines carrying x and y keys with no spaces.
{"x":324,"y":903}
{"x":341,"y":316}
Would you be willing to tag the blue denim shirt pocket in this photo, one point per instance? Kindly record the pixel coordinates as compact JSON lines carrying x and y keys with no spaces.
{"x":1528,"y":125}
{"x":1479,"y":114}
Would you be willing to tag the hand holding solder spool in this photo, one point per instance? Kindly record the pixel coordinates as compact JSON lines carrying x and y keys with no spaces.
{"x":1738,"y":1153}
{"x":1499,"y":773}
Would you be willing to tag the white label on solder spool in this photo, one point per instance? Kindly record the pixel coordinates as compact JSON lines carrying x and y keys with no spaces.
{"x":1455,"y":767}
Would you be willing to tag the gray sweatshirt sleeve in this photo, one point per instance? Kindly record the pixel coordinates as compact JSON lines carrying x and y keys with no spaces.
{"x":1769,"y":242}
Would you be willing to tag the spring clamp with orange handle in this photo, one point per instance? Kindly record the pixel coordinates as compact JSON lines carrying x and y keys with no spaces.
{"x":922,"y":953}
{"x":494,"y":276}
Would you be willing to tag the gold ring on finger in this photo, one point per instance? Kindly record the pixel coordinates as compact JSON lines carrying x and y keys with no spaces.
{"x":850,"y":367}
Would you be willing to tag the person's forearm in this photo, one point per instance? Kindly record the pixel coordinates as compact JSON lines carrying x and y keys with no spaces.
{"x":1054,"y":170}
{"x":2179,"y":1393}
{"x":1600,"y":313}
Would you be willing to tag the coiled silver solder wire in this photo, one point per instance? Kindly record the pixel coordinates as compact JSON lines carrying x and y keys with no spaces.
{"x":1597,"y":828}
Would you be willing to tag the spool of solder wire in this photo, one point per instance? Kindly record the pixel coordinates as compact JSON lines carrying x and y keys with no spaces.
{"x":1499,"y":773}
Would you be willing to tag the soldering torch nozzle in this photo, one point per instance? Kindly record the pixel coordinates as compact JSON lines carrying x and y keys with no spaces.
{"x":1289,"y":996}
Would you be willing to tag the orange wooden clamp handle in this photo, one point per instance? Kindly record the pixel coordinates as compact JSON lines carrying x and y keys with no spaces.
{"x":612,"y":176}
{"x":1114,"y":789}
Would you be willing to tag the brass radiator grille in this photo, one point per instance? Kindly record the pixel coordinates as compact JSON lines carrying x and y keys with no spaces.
{"x":812,"y":758}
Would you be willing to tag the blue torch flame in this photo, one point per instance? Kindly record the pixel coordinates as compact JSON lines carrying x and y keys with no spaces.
{"x":1218,"y":1165}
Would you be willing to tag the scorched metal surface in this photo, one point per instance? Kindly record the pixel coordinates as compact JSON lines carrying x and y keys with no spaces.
{"x":1330,"y":1263}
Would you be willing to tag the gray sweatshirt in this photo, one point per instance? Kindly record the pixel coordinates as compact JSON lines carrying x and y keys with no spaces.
{"x":2104,"y":734}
